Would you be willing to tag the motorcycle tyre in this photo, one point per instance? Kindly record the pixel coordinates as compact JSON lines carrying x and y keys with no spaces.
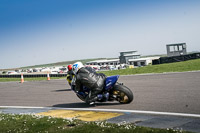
{"x":80,"y":97}
{"x":126,"y":91}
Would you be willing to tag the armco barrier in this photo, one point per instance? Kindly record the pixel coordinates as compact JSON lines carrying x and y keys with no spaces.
{"x":31,"y":75}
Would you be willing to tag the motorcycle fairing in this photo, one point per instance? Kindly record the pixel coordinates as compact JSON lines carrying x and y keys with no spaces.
{"x":110,"y":81}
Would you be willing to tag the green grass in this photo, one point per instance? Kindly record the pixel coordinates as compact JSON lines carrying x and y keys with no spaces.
{"x":10,"y":123}
{"x":64,"y":63}
{"x":191,"y":65}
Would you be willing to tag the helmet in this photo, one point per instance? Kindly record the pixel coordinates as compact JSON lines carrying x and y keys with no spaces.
{"x":69,"y":67}
{"x":76,"y":66}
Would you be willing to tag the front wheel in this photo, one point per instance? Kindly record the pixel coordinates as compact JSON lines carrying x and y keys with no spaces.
{"x":80,"y":97}
{"x":122,"y":94}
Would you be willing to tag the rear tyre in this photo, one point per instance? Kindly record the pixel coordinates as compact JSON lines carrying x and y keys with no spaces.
{"x":123,"y":94}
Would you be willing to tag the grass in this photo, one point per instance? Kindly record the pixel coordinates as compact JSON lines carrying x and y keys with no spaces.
{"x":191,"y":65}
{"x":64,"y":63}
{"x":10,"y":123}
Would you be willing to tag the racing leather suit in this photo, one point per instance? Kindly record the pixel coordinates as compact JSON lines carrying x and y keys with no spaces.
{"x":87,"y":77}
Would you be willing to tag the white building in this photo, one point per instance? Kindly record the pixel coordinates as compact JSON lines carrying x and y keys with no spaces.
{"x":125,"y":56}
{"x":142,"y":61}
{"x":135,"y":62}
{"x":104,"y":62}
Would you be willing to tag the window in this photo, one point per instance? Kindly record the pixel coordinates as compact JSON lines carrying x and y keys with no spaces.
{"x":135,"y":64}
{"x":142,"y":63}
{"x":180,"y":48}
{"x":175,"y":48}
{"x":171,"y":48}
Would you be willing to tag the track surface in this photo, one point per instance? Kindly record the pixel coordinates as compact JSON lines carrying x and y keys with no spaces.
{"x":172,"y":92}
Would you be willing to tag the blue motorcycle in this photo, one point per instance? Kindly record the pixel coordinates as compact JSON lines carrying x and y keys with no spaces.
{"x":112,"y":91}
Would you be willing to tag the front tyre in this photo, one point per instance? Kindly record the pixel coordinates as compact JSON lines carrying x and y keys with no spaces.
{"x":123,"y":94}
{"x":80,"y":97}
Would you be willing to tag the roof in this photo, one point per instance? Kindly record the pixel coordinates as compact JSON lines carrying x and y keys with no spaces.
{"x":175,"y":44}
{"x":127,"y":51}
{"x":147,"y":58}
{"x":132,"y":55}
{"x":100,"y":61}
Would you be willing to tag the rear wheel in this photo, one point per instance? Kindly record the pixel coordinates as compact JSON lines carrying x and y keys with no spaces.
{"x":122,"y":94}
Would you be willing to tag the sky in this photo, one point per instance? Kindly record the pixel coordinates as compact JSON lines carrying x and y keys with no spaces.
{"x":34,"y":32}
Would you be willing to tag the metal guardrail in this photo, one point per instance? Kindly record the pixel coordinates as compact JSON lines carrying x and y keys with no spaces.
{"x":31,"y":75}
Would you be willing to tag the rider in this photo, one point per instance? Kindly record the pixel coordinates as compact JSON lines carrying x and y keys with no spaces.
{"x":86,"y":76}
{"x":69,"y":67}
{"x":70,"y":74}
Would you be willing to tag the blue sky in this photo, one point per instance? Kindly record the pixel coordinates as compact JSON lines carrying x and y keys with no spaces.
{"x":36,"y":32}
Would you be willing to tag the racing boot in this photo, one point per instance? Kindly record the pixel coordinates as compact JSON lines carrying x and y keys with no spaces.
{"x":91,"y":101}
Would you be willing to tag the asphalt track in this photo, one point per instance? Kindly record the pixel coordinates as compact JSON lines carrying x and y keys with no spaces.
{"x":170,"y":92}
{"x":173,"y":93}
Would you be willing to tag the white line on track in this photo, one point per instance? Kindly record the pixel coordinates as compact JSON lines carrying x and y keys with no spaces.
{"x":111,"y":110}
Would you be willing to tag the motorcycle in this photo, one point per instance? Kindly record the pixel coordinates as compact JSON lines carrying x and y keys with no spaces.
{"x":112,"y":91}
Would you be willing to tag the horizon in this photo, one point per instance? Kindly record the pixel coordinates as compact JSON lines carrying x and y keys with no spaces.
{"x":82,"y":59}
{"x":53,"y":63}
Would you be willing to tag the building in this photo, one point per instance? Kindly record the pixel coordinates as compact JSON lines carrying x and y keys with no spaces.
{"x":104,"y":62}
{"x":131,"y":58}
{"x":176,"y":53}
{"x":125,"y":56}
{"x":176,"y":49}
{"x":142,"y":61}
